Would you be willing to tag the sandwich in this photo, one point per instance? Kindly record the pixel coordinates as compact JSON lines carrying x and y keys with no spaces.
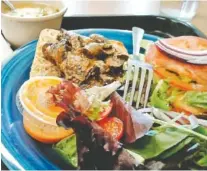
{"x":179,"y":85}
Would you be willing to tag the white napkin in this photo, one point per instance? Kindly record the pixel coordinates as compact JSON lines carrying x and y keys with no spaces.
{"x":5,"y":49}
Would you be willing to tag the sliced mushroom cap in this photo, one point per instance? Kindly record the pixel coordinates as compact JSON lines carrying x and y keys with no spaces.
{"x":56,"y":52}
{"x":94,"y":50}
{"x":108,"y":49}
{"x":124,"y":57}
{"x":116,"y":61}
{"x":119,"y":46}
{"x":98,"y":38}
{"x":98,"y":50}
{"x":76,"y":41}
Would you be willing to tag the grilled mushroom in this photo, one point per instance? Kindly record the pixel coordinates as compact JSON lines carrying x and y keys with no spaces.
{"x":98,"y":38}
{"x":56,"y":52}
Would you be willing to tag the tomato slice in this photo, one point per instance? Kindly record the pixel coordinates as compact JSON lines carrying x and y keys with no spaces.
{"x":175,"y":81}
{"x":113,"y":125}
{"x":106,"y":111}
{"x":161,"y":60}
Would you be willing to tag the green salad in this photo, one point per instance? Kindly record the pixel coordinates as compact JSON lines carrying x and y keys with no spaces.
{"x":173,"y":147}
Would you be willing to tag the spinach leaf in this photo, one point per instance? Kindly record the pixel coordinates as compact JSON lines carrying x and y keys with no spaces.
{"x":66,"y":148}
{"x":201,"y":129}
{"x":176,"y":148}
{"x":202,"y":162}
{"x":152,"y":146}
{"x":196,"y":154}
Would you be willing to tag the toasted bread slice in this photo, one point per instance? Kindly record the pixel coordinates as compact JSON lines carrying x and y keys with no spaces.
{"x":44,"y":67}
{"x":41,"y":66}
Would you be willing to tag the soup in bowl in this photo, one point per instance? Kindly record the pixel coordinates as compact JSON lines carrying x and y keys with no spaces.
{"x":30,"y":17}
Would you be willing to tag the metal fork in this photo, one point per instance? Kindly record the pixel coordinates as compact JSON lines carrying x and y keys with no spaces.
{"x":141,"y":72}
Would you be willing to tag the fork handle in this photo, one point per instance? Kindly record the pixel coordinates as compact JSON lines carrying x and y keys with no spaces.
{"x":138,"y":34}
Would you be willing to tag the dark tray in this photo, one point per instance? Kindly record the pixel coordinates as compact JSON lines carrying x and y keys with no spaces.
{"x":156,"y":25}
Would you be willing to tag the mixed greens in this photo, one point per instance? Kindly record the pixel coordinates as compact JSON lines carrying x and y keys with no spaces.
{"x":163,"y":145}
{"x":174,"y":148}
{"x":173,"y":144}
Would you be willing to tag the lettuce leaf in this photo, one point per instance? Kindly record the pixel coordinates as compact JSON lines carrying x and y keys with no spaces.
{"x":96,"y":108}
{"x":67,"y":149}
{"x":201,"y":129}
{"x":152,"y":146}
{"x":203,"y":161}
{"x":176,"y":148}
{"x":159,"y":98}
{"x":96,"y":96}
{"x":196,"y":99}
{"x":196,"y":154}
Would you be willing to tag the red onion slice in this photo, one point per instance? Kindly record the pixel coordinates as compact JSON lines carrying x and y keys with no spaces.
{"x":194,"y":57}
{"x":187,"y":52}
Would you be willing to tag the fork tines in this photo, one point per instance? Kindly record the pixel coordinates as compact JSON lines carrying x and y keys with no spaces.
{"x":141,"y":75}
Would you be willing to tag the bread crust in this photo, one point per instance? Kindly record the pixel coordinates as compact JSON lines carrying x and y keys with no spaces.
{"x":40,"y":65}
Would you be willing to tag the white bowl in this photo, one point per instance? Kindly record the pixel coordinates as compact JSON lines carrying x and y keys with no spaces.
{"x":19,"y":30}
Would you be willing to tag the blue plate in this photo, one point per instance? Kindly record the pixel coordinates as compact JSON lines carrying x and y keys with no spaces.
{"x":19,"y":151}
